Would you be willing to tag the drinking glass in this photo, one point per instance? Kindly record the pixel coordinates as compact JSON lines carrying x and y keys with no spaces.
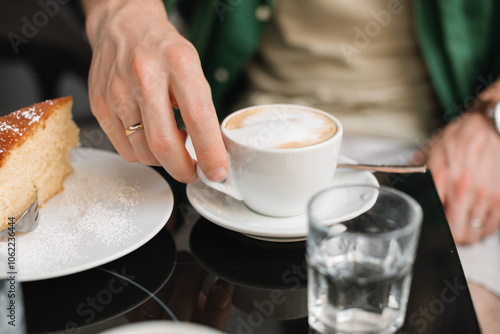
{"x":360,"y":250}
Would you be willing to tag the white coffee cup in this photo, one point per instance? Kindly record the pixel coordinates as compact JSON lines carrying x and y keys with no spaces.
{"x":268,"y":178}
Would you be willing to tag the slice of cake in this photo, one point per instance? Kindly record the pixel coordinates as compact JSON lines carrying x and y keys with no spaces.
{"x":35,"y":147}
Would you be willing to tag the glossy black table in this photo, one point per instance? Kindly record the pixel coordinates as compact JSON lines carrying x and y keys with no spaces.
{"x":253,"y":286}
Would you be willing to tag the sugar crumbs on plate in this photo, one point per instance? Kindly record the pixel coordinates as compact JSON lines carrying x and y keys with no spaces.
{"x":96,"y":213}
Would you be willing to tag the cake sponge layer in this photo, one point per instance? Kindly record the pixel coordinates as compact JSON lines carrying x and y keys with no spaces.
{"x":35,"y":148}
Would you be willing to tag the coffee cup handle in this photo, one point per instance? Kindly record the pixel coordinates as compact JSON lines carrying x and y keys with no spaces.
{"x":226,"y":186}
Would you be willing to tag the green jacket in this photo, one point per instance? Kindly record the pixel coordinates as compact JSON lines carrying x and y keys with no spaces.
{"x":459,"y":39}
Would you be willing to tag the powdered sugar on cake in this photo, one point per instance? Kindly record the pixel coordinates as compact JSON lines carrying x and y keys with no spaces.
{"x":29,"y":114}
{"x":13,"y":126}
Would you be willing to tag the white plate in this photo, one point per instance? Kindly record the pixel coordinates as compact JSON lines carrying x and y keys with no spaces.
{"x":161,"y":326}
{"x":109,"y":208}
{"x":227,"y":212}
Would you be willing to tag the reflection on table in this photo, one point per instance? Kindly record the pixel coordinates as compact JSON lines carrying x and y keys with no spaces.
{"x":209,"y":275}
{"x":83,"y":299}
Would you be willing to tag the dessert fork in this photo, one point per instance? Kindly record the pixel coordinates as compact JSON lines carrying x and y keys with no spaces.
{"x":27,"y":222}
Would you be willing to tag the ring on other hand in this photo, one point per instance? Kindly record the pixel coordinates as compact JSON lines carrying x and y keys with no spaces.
{"x":476,"y":223}
{"x":134,"y":128}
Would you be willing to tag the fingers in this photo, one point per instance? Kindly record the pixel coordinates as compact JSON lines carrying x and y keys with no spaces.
{"x":201,"y":120}
{"x":475,"y":224}
{"x":464,"y":203}
{"x":480,"y":199}
{"x":435,"y":163}
{"x":141,"y":67}
{"x":113,"y":127}
{"x":142,"y":150}
{"x":132,"y":97}
{"x":130,"y":113}
{"x":457,"y":213}
{"x":484,"y":217}
{"x":103,"y":110}
{"x":452,"y":160}
{"x":165,"y":141}
{"x":492,"y":221}
{"x":470,"y":209}
{"x":115,"y":107}
{"x":161,"y":143}
{"x":463,"y":164}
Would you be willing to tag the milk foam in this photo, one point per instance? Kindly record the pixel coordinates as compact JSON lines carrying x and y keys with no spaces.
{"x":283,"y":127}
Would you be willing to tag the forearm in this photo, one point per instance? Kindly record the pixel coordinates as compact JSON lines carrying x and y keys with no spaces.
{"x":95,"y":11}
{"x":99,"y":12}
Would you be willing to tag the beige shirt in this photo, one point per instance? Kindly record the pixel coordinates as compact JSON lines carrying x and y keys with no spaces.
{"x":358,"y":60}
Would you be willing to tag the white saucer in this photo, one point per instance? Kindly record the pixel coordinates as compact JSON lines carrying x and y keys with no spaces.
{"x":229,"y":213}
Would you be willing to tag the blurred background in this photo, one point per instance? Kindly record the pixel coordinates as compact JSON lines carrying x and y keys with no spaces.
{"x":44,"y":54}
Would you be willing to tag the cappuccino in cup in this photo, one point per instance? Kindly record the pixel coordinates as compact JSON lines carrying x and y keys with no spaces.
{"x":279,"y":156}
{"x":280,"y":127}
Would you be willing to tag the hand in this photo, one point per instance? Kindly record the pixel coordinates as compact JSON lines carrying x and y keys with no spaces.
{"x":141,"y":68}
{"x":464,"y":161}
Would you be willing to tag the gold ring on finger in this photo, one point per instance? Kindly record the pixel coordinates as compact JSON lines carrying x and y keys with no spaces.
{"x":134,"y":128}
